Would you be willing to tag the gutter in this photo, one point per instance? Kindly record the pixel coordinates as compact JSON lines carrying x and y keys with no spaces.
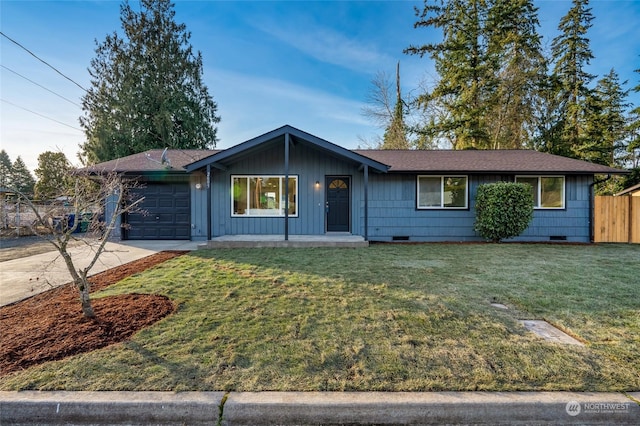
{"x":591,"y":203}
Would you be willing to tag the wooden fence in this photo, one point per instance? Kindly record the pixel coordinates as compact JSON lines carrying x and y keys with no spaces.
{"x":616,"y":219}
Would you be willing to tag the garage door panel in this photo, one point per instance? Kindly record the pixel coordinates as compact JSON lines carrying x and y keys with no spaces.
{"x":167,"y":202}
{"x":182,"y":217}
{"x":166,"y":213}
{"x":182,"y":203}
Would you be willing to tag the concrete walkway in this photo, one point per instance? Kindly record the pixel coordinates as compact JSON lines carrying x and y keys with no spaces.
{"x":313,"y":408}
{"x":28,"y":276}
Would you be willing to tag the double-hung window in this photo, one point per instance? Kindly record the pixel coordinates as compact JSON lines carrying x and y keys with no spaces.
{"x":442,"y":192}
{"x":547,"y":191}
{"x":263,"y":195}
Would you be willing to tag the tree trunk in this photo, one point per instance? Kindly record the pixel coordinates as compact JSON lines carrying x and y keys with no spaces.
{"x":81,"y":283}
{"x":85,"y":300}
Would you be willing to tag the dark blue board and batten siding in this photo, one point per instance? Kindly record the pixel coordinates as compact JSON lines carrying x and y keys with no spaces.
{"x":393,"y":213}
{"x":308,"y":165}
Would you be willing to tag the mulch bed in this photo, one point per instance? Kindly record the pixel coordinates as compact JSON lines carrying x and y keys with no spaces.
{"x":50,"y":325}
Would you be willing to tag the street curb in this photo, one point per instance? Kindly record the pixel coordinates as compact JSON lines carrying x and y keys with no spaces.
{"x":429,"y":408}
{"x":109,"y":408}
{"x":306,"y":408}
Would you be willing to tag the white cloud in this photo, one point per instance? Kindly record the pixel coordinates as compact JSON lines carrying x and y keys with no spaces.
{"x":251,"y":105}
{"x":327,"y":45}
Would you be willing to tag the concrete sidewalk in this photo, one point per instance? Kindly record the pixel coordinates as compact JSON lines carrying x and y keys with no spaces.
{"x":26,"y":277}
{"x":313,"y":408}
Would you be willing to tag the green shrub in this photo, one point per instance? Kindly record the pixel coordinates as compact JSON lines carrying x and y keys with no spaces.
{"x":503,"y":210}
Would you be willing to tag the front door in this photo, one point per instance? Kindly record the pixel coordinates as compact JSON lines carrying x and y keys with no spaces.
{"x":338,"y":203}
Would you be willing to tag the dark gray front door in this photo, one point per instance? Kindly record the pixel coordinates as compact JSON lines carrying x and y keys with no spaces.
{"x":166,"y":216}
{"x":338,"y":203}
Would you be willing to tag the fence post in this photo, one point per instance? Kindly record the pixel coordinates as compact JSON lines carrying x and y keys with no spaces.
{"x":18,"y":217}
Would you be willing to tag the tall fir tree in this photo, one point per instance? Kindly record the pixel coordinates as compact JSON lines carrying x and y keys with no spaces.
{"x":521,"y":71}
{"x":146,"y":88}
{"x":605,"y":122}
{"x":633,"y":129}
{"x":467,"y":78}
{"x":571,"y":54}
{"x":21,"y":178}
{"x":491,"y":70}
{"x":5,"y":169}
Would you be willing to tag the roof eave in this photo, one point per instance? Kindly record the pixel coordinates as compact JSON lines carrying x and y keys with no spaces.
{"x":513,"y":172}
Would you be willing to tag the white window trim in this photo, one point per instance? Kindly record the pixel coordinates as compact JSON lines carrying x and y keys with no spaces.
{"x":442,"y":206}
{"x":282,"y":178}
{"x":539,"y":189}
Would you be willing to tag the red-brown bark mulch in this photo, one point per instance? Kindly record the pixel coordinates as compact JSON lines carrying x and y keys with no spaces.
{"x":50,"y":326}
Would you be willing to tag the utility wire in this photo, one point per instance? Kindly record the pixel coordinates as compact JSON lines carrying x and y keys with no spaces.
{"x":40,"y":85}
{"x":40,"y":115}
{"x":41,"y":60}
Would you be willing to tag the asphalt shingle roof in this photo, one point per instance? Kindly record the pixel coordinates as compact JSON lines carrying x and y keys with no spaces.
{"x":483,"y":161}
{"x":149,"y":161}
{"x":407,"y":161}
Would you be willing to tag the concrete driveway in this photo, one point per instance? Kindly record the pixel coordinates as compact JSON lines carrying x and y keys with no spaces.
{"x":28,"y":276}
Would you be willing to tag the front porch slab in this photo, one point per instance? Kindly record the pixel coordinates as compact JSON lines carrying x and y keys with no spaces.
{"x":256,"y":241}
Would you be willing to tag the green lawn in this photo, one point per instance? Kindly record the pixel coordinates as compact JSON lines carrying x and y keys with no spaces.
{"x":388,"y":317}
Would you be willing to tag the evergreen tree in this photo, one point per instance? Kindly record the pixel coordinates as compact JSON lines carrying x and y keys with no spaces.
{"x":633,"y":128}
{"x":521,"y":68}
{"x":146,"y":88}
{"x":605,"y":123}
{"x":21,"y":178}
{"x":465,"y":67}
{"x":491,"y":70}
{"x":5,"y":169}
{"x":53,"y":175}
{"x":571,"y":54}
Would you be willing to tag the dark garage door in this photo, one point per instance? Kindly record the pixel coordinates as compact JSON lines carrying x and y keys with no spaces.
{"x":167,"y":213}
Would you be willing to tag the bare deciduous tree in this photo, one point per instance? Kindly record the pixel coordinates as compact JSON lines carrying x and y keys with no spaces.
{"x":87,"y":194}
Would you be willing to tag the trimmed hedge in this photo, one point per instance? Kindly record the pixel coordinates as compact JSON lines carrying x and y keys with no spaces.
{"x":503,"y":210}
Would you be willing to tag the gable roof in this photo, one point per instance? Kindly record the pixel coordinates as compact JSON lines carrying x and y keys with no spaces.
{"x":150,"y":161}
{"x":484,"y":161}
{"x":222,"y":158}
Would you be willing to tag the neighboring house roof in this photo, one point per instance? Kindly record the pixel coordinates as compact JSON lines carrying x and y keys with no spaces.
{"x":223,"y":158}
{"x":631,"y":190}
{"x":484,"y":161}
{"x":151,"y":161}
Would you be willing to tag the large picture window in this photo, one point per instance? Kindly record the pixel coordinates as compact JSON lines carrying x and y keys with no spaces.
{"x":262,"y":195}
{"x":547,"y":191}
{"x":442,"y":192}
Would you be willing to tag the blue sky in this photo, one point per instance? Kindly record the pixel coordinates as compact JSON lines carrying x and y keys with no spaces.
{"x":268,"y":63}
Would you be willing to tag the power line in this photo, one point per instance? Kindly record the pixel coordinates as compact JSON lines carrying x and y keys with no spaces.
{"x":40,"y":85}
{"x":40,"y":115}
{"x":41,"y":60}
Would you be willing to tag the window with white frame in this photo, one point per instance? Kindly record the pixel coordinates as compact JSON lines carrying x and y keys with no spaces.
{"x":262,"y":195}
{"x":442,"y":192}
{"x":547,"y":191}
